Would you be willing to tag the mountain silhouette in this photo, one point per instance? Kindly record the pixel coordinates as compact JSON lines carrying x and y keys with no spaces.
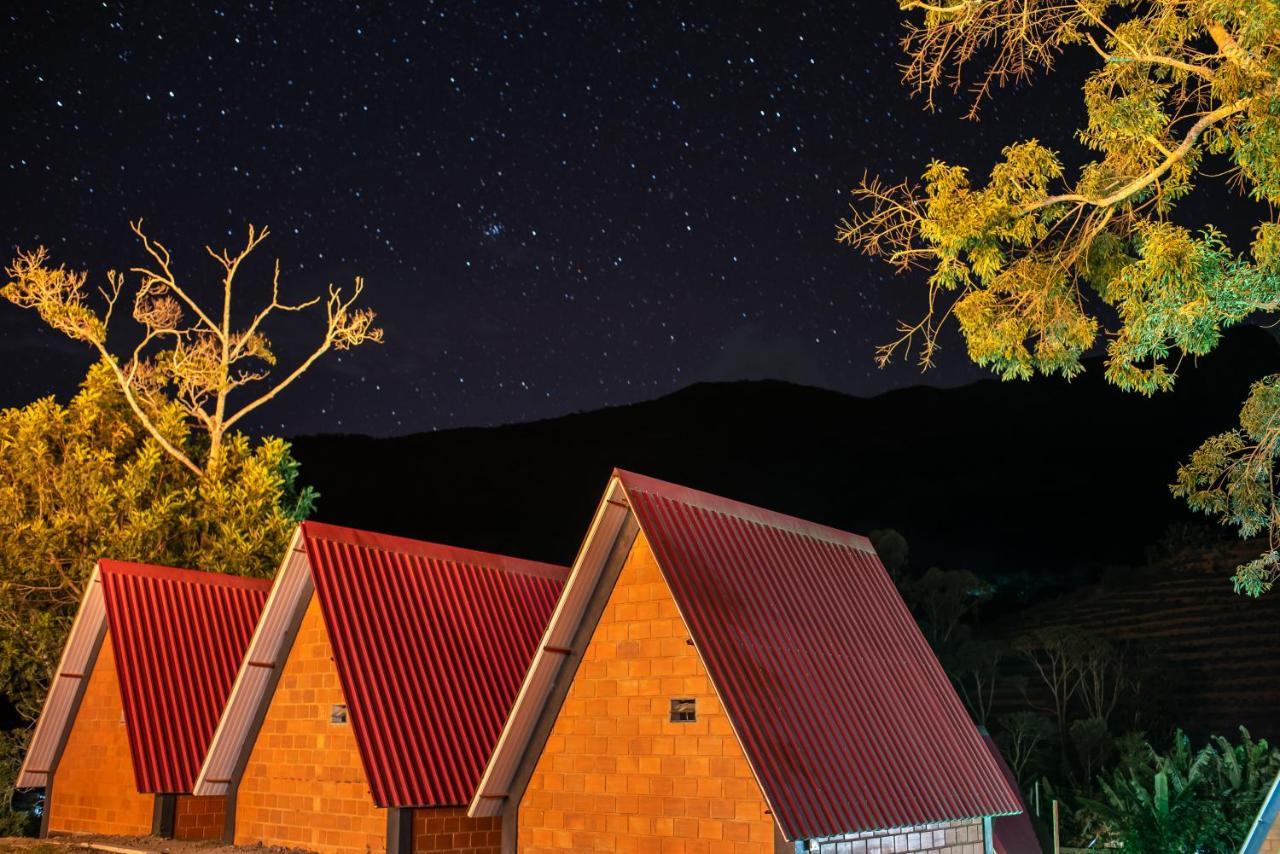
{"x":1047,"y":477}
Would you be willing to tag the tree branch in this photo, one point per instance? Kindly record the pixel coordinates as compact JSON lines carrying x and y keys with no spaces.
{"x":284,"y":383}
{"x":1143,"y":181}
{"x":161,"y":255}
{"x":262,"y":315}
{"x":1229,"y":48}
{"x":908,"y":5}
{"x":1153,"y":59}
{"x":171,"y":449}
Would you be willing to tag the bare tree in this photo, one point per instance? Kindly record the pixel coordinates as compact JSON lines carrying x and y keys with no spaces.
{"x":1022,"y":735}
{"x":976,"y":671}
{"x":187,"y":354}
{"x":1055,"y":656}
{"x":1104,"y":675}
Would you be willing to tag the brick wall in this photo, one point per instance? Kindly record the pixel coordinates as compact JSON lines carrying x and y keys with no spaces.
{"x":616,"y":774}
{"x":448,"y":829}
{"x":199,"y":818}
{"x":1271,"y":844}
{"x":94,"y":790}
{"x":304,"y":785}
{"x":957,"y":837}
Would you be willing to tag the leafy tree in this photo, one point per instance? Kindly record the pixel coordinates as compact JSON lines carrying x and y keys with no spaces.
{"x":1038,"y":266}
{"x":85,"y":480}
{"x":147,"y":462}
{"x":892,"y":549}
{"x":1200,"y":801}
{"x":943,"y":599}
{"x":1093,"y":744}
{"x":1241,"y":776}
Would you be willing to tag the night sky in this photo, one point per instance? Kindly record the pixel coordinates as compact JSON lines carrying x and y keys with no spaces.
{"x":556,"y":207}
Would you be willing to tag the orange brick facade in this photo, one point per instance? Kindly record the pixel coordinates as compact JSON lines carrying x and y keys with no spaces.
{"x":448,"y":829}
{"x":616,"y":774}
{"x":1271,"y":844}
{"x":94,"y":790}
{"x":199,"y":819}
{"x":304,"y":785}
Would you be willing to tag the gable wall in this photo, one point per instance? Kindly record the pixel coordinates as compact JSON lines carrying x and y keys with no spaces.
{"x":304,"y":785}
{"x":94,"y":790}
{"x":616,"y":774}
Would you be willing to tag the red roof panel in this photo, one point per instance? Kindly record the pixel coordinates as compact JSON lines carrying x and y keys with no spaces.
{"x":842,"y":708}
{"x":178,"y":637}
{"x":1014,"y":834}
{"x":431,"y":645}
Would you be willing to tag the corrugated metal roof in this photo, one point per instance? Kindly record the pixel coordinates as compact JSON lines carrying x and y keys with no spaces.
{"x":842,"y":709}
{"x":431,"y":644}
{"x":179,"y":637}
{"x":1013,"y":834}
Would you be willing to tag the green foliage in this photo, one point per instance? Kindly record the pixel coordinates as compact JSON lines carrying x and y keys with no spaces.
{"x":892,"y":549}
{"x":1093,"y":743}
{"x":1038,"y":267}
{"x":14,"y":820}
{"x":1195,"y":801}
{"x":1232,"y":476}
{"x":84,"y":480}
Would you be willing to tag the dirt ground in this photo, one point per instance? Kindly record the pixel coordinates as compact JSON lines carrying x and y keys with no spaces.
{"x":149,"y":844}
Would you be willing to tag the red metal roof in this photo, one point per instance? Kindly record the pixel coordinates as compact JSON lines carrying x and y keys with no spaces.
{"x":1014,"y":834}
{"x":842,"y":708}
{"x":431,"y":644}
{"x":178,"y":637}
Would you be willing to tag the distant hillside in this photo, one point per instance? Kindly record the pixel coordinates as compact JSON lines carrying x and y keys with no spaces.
{"x":1047,"y":477}
{"x":1223,"y":646}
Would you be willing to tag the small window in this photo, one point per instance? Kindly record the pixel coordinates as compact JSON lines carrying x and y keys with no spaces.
{"x":684,"y":711}
{"x":338,"y":714}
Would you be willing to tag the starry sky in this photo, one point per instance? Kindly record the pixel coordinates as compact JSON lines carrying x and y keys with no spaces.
{"x":555,"y":206}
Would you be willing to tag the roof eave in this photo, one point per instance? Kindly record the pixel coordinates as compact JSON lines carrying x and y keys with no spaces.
{"x":79,"y":656}
{"x":611,"y":522}
{"x":242,"y":714}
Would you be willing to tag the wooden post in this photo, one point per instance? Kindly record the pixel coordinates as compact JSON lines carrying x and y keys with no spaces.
{"x":1056,"y":848}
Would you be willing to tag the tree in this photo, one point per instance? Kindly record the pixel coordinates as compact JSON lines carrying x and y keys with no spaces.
{"x":147,"y":462}
{"x":1104,"y":676}
{"x":942,"y":599}
{"x":893,"y":551}
{"x":1093,"y":743}
{"x":975,"y":668}
{"x":1056,"y":655}
{"x":1022,"y":736}
{"x":186,"y":356}
{"x":1036,"y":267}
{"x":85,"y":480}
{"x":1186,"y":800}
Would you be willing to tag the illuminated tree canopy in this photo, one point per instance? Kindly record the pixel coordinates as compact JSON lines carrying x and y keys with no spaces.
{"x":1037,"y":266}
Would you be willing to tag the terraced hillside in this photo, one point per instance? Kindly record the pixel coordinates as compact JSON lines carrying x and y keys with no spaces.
{"x":1227,"y":646}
